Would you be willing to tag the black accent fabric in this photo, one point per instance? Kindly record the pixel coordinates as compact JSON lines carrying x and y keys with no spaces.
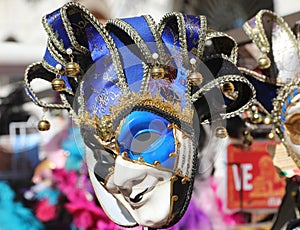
{"x":289,"y":202}
{"x":179,"y":206}
{"x":211,"y":109}
{"x":271,"y":72}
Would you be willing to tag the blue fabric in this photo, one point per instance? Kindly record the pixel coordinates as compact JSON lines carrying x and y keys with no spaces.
{"x":31,"y":95}
{"x":170,"y":38}
{"x":141,"y":26}
{"x":142,"y":122}
{"x":53,"y":62}
{"x":97,"y":45}
{"x":132,"y":65}
{"x":55,"y":21}
{"x":100,"y":84}
{"x":100,"y":89}
{"x":50,"y":59}
{"x":265,"y":92}
{"x":192,"y":26}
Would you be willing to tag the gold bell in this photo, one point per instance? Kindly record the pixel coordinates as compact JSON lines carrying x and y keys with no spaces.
{"x":228,"y":88}
{"x":267,"y":120}
{"x":195,"y":78}
{"x":221,"y":132}
{"x":72,"y":68}
{"x":43,"y":125}
{"x":248,"y":139}
{"x":157,"y":72}
{"x":271,"y":135}
{"x":58,"y":84}
{"x":264,"y":62}
{"x":256,"y":118}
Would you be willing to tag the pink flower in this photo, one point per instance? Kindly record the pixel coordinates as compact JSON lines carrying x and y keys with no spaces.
{"x":66,"y":180}
{"x":45,"y":211}
{"x":87,"y":215}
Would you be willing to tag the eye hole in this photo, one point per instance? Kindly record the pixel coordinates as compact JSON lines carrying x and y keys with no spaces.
{"x":142,"y":141}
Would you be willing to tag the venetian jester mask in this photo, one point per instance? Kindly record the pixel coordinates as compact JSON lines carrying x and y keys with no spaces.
{"x":139,"y":93}
{"x":277,"y":84}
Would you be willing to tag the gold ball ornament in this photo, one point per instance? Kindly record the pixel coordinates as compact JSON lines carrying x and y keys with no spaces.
{"x":256,"y":118}
{"x":195,"y":78}
{"x":271,"y":135}
{"x":267,"y":120}
{"x":58,"y":84}
{"x":264,"y":62}
{"x":221,"y":132}
{"x":43,"y":125}
{"x":72,"y":68}
{"x":248,"y":139}
{"x":157,"y":72}
{"x":228,"y":88}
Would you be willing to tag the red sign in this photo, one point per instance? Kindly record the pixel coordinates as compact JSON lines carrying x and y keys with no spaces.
{"x":252,"y":180}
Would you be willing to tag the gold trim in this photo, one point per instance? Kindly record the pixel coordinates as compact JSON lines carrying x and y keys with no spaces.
{"x":134,"y":35}
{"x":202,"y":35}
{"x":158,"y":102}
{"x":181,"y":32}
{"x":218,"y":83}
{"x":38,"y":101}
{"x":59,"y":58}
{"x":234,"y":51}
{"x":146,"y":78}
{"x":159,"y":44}
{"x":138,"y":161}
{"x":157,"y":164}
{"x":68,"y":26}
{"x":173,"y":154}
{"x":258,"y":35}
{"x":184,"y":180}
{"x":52,"y":35}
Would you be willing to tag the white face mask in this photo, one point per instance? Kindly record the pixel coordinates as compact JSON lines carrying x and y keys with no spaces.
{"x":143,"y":184}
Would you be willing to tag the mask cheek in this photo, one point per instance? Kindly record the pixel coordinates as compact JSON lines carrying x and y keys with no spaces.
{"x":100,"y":162}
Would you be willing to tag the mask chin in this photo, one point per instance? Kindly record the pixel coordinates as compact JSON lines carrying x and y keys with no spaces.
{"x":142,"y":189}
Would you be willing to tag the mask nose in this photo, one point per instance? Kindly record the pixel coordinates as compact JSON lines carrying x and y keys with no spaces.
{"x":127,"y":174}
